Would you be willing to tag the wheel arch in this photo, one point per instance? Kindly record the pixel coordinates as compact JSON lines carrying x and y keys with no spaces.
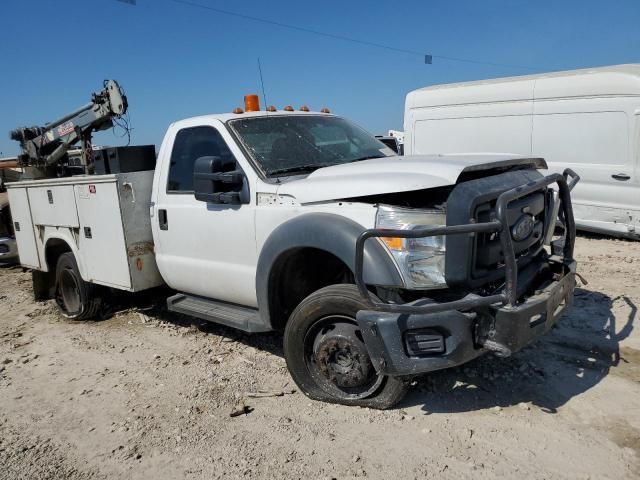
{"x":329,"y":235}
{"x":55,"y":244}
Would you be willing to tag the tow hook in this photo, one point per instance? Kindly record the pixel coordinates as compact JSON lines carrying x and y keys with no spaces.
{"x":499,"y":349}
{"x":582,"y":279}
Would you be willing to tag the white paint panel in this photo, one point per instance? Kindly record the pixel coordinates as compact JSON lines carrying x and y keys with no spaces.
{"x":53,"y":205}
{"x":473,"y":134}
{"x":596,"y":145}
{"x":384,"y":175}
{"x":583,"y":138}
{"x":209,"y":249}
{"x":25,"y":236}
{"x":485,"y":91}
{"x":105,"y":253}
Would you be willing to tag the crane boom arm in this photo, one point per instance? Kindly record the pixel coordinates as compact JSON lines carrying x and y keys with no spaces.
{"x":47,"y":145}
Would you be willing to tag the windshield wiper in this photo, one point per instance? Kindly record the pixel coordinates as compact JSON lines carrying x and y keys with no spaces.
{"x":369,"y":157}
{"x":298,"y":168}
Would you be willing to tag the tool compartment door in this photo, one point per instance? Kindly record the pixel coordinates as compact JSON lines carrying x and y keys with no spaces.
{"x":53,"y":205}
{"x":101,"y":239}
{"x":23,"y":227}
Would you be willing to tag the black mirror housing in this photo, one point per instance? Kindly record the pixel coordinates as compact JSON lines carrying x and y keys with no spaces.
{"x":217,"y":181}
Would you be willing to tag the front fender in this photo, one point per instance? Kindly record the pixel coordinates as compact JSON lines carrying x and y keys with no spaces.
{"x":332,"y":233}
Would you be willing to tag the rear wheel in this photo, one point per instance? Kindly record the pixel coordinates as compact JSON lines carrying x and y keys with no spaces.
{"x":77,"y":299}
{"x":326,"y":354}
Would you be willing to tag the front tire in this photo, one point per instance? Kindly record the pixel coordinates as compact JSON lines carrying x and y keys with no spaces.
{"x":326,"y":354}
{"x":77,"y":299}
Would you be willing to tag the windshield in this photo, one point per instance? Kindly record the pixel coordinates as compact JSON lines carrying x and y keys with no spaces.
{"x":292,"y":144}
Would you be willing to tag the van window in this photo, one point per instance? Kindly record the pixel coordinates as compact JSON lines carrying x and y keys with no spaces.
{"x":189,"y":145}
{"x":594,"y":138}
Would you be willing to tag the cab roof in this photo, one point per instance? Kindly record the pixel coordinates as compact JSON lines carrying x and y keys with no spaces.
{"x":224,"y":117}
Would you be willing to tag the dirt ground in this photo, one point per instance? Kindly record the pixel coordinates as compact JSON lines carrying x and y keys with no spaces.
{"x":148,"y":394}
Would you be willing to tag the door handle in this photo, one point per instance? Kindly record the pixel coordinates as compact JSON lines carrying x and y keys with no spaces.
{"x":620,"y":176}
{"x":163,"y":220}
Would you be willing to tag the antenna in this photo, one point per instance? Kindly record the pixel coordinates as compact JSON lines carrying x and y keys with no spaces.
{"x":264,"y":95}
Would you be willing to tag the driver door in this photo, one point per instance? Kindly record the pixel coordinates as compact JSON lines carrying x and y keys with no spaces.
{"x":203,"y":248}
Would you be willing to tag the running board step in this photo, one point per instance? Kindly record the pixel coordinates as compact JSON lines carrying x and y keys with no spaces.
{"x":235,"y":316}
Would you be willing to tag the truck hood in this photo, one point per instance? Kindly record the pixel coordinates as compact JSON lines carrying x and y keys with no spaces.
{"x":395,"y":174}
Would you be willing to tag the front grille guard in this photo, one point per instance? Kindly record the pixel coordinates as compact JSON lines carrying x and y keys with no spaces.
{"x":565,"y":182}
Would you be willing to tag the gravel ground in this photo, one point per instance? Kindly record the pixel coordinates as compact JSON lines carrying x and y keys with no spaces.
{"x":148,"y":394}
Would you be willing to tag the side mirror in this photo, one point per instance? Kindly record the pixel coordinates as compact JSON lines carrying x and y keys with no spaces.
{"x":217,"y":181}
{"x":392,"y":143}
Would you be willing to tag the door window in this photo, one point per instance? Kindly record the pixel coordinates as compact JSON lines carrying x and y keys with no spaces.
{"x":189,"y":145}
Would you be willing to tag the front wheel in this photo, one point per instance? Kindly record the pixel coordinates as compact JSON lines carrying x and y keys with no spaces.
{"x":326,"y":354}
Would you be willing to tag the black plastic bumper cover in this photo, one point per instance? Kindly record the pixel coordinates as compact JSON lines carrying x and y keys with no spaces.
{"x":512,"y":326}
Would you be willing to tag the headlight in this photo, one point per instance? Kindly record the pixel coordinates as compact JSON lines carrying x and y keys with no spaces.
{"x":421,"y":260}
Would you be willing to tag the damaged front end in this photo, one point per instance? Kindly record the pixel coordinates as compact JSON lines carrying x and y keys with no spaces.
{"x":499,"y":287}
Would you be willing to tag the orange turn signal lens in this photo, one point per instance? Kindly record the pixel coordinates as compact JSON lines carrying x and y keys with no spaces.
{"x":394,"y":243}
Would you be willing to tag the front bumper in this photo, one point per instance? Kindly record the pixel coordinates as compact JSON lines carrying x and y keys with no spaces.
{"x":465,"y":335}
{"x":422,"y":336}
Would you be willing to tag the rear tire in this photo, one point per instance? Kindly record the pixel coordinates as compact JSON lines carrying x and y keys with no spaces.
{"x":77,"y":299}
{"x":326,"y":355}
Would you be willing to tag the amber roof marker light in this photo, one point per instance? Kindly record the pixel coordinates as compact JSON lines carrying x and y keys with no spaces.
{"x":271,"y":108}
{"x":237,"y":110}
{"x":251,"y":103}
{"x":288,"y":108}
{"x":304,"y":108}
{"x":325,"y":110}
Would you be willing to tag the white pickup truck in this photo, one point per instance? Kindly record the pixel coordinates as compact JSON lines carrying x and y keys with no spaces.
{"x":377,"y":267}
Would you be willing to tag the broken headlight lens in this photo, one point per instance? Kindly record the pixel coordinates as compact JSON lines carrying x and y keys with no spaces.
{"x":420,"y":260}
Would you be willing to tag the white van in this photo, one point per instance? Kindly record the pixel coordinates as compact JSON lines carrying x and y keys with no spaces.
{"x":587,"y":120}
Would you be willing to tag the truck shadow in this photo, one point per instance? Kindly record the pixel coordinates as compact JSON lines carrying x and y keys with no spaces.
{"x":151,"y":304}
{"x":572,"y":358}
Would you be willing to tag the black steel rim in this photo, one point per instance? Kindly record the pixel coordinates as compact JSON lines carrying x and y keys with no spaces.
{"x":68,"y":294}
{"x":337,"y":359}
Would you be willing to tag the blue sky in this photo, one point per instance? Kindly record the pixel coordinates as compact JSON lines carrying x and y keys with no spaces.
{"x":177,"y":61}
